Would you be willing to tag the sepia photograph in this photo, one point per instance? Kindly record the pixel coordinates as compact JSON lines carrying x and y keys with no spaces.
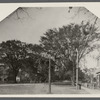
{"x":49,"y":50}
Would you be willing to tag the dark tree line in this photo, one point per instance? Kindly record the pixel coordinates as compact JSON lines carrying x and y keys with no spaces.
{"x":30,"y":61}
{"x":23,"y":60}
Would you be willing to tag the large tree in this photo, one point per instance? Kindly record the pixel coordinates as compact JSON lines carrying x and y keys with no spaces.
{"x":12,"y":52}
{"x":63,"y":42}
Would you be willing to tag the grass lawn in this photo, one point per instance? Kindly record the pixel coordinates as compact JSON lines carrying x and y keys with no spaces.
{"x":38,"y":89}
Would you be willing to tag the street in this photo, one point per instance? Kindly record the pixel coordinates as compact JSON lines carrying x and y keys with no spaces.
{"x":39,"y":89}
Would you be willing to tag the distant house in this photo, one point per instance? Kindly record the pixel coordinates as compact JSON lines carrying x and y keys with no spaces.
{"x":98,"y":77}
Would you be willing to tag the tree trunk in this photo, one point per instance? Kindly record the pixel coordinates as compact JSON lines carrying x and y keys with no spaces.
{"x":15,"y":75}
{"x":15,"y":78}
{"x":73,"y":77}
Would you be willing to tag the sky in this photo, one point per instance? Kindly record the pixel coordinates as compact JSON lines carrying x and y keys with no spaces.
{"x":33,"y":22}
{"x":29,"y":24}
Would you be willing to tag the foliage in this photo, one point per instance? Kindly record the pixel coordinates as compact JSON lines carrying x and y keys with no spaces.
{"x":30,"y":62}
{"x":62,"y":43}
{"x":12,"y":54}
{"x":24,"y":61}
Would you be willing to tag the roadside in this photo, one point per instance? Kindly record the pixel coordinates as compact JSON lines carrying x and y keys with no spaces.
{"x":39,"y":89}
{"x":91,"y":91}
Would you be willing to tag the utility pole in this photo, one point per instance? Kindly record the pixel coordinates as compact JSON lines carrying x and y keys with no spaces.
{"x":49,"y":75}
{"x":77,"y":66}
